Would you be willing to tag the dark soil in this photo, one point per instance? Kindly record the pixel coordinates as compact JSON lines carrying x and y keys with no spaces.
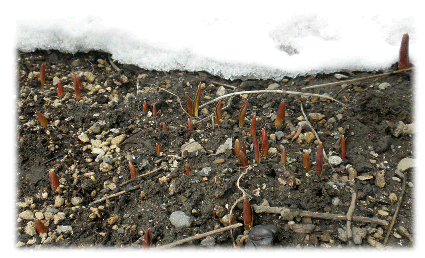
{"x":368,"y":121}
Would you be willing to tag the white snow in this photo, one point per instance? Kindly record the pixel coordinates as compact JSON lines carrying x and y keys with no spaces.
{"x":230,"y":39}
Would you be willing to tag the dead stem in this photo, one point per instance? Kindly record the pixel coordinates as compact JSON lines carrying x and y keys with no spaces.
{"x":355,"y":80}
{"x":115,"y":195}
{"x":178,"y":99}
{"x":288,"y":213}
{"x":198,"y":236}
{"x":350,"y":214}
{"x":271,"y":91}
{"x":403,"y":187}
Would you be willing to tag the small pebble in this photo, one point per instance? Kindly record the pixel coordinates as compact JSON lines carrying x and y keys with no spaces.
{"x":59,"y":201}
{"x":112,"y":219}
{"x":180,"y":219}
{"x":340,"y":76}
{"x":336,"y":201}
{"x":279,"y":135}
{"x":209,"y":241}
{"x":380,"y":178}
{"x":205,"y":171}
{"x":334,"y":160}
{"x":26,"y":215}
{"x":83,"y":137}
{"x":384,"y":85}
{"x":64,"y":229}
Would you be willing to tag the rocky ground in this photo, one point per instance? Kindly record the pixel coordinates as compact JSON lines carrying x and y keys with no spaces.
{"x":89,"y":143}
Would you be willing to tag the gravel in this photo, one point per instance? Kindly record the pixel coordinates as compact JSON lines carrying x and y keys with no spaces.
{"x":180,"y":219}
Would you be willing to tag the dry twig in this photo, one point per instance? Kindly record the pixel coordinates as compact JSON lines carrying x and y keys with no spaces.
{"x":355,"y":80}
{"x":398,"y":207}
{"x":198,"y":236}
{"x":142,"y":175}
{"x":289,"y":214}
{"x":115,"y":195}
{"x":350,"y":214}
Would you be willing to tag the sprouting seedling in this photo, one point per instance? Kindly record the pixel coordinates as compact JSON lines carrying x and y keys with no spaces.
{"x":158,"y":149}
{"x":253,"y":127}
{"x":147,"y":239}
{"x":264,"y":143}
{"x":54,"y":179}
{"x":256,"y":149}
{"x":42,"y":119}
{"x":154,"y":109}
{"x":342,"y":147}
{"x":242,"y":113}
{"x":243,"y":147}
{"x":164,"y":127}
{"x":40,"y":227}
{"x":283,"y":157}
{"x":319,"y":159}
{"x":218,"y":114}
{"x":280,"y":115}
{"x":132,"y":170}
{"x":60,"y":90}
{"x":237,"y":148}
{"x":197,"y":99}
{"x":145,"y":106}
{"x":77,"y":82}
{"x":76,"y":86}
{"x":306,"y":160}
{"x":190,"y":109}
{"x":248,"y":218}
{"x":187,"y":169}
{"x":189,"y":124}
{"x":403,"y":60}
{"x":43,"y":74}
{"x":242,"y":159}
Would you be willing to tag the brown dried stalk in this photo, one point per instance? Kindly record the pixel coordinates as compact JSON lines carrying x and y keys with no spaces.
{"x":403,"y":61}
{"x":280,"y":114}
{"x":342,"y":147}
{"x":132,"y":170}
{"x":54,"y":179}
{"x":264,"y":143}
{"x":243,"y":159}
{"x":42,"y":119}
{"x":187,"y":169}
{"x":319,"y":159}
{"x":242,"y":113}
{"x":158,"y":149}
{"x":253,"y":127}
{"x":145,"y":106}
{"x":297,"y":133}
{"x":256,"y":149}
{"x":154,"y":109}
{"x":60,"y":90}
{"x":237,"y":148}
{"x":306,"y":160}
{"x":197,"y":99}
{"x":283,"y":157}
{"x":248,"y":218}
{"x":243,"y":147}
{"x":43,"y":74}
{"x":218,"y":114}
{"x":190,"y":109}
{"x":189,"y":124}
{"x":147,"y":239}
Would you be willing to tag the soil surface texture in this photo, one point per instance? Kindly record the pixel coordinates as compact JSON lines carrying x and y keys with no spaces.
{"x":89,"y":143}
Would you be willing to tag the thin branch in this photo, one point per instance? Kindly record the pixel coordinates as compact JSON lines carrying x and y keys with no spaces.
{"x":355,"y":80}
{"x":397,"y":209}
{"x":271,"y":91}
{"x":112,"y":63}
{"x":222,"y":84}
{"x":198,"y":236}
{"x":350,"y":214}
{"x":290,"y":213}
{"x":142,"y":175}
{"x":178,"y":99}
{"x":115,"y":195}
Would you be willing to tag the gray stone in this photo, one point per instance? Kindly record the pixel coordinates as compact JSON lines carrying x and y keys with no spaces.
{"x":261,"y":236}
{"x":339,"y":116}
{"x":405,"y":164}
{"x":192,"y":146}
{"x":205,"y":171}
{"x":180,"y":219}
{"x":279,"y":135}
{"x":384,"y":85}
{"x":334,"y":160}
{"x":209,"y":241}
{"x":64,"y":229}
{"x":342,"y":235}
{"x":331,"y":120}
{"x":358,"y":235}
{"x":95,"y":128}
{"x":340,"y":76}
{"x":273,"y":86}
{"x":336,"y":201}
{"x":221,"y":91}
{"x":76,"y":200}
{"x":227,"y":145}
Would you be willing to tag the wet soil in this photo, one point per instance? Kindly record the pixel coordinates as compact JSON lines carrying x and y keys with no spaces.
{"x":112,"y":107}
